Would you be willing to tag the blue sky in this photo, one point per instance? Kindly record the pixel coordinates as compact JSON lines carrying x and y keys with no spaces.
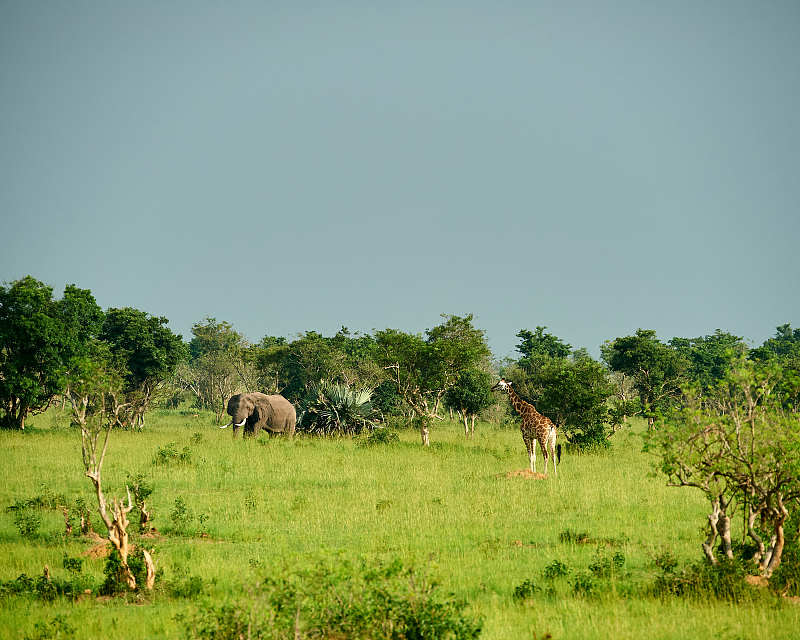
{"x":594,"y":167}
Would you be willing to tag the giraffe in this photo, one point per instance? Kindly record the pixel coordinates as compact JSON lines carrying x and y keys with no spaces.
{"x":534,"y":427}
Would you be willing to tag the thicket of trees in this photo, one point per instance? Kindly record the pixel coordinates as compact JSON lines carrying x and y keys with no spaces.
{"x":51,"y":349}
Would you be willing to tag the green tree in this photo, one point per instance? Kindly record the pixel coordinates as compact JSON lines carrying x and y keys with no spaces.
{"x":657,"y":370}
{"x":40,"y":339}
{"x":148,"y":353}
{"x":217,"y":367}
{"x":538,"y":347}
{"x":411,"y":364}
{"x":574,"y":394}
{"x":293,"y":368}
{"x":456,"y":345}
{"x":739,"y":446}
{"x":471,"y":394}
{"x":423,"y":369}
{"x":710,"y":358}
{"x":784,"y":351}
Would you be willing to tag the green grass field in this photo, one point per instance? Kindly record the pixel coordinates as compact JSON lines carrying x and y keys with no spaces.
{"x":452,"y":508}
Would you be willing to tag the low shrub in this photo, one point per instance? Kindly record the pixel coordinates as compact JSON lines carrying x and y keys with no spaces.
{"x":526,"y":590}
{"x":722,"y":581}
{"x":115,"y":583}
{"x":169,"y":454}
{"x":56,"y":629}
{"x":379,"y":436}
{"x":46,"y":588}
{"x":339,"y":599}
{"x":556,"y":569}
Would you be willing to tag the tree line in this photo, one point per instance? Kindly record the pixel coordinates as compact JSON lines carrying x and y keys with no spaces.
{"x":66,"y":349}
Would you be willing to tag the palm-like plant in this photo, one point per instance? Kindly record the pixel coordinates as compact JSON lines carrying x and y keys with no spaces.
{"x":332,"y":408}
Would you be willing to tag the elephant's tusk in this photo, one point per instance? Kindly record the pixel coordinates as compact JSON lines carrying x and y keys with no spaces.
{"x":225,"y":426}
{"x":239,"y":424}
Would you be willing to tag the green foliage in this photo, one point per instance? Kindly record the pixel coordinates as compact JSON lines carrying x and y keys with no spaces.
{"x":785,"y":580}
{"x":141,"y":486}
{"x":702,"y":580}
{"x":27,"y":518}
{"x":189,"y":587}
{"x":525,"y":590}
{"x":583,"y":584}
{"x":346,"y":358}
{"x":58,"y":628}
{"x":711,"y":357}
{"x":556,"y":569}
{"x":657,"y":370}
{"x":604,"y":565}
{"x":169,"y":454}
{"x":339,"y":599}
{"x":379,"y":436}
{"x":146,"y":352}
{"x":115,"y":583}
{"x":568,"y":536}
{"x":73,"y":565}
{"x":537,"y":346}
{"x":47,"y":589}
{"x":40,"y":338}
{"x":471,"y":393}
{"x":217,"y":361}
{"x":739,"y":446}
{"x":182,"y":516}
{"x":27,"y":512}
{"x":332,"y":408}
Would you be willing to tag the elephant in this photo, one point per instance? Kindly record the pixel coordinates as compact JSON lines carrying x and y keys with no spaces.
{"x":255,"y":411}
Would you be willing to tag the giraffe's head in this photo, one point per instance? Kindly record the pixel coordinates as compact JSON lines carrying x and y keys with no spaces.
{"x":503,"y":385}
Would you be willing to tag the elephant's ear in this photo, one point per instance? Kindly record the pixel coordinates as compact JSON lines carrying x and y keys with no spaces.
{"x":262,"y":410}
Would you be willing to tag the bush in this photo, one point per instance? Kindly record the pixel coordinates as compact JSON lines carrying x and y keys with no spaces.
{"x":115,"y":583}
{"x":44,"y":588}
{"x":525,"y":591}
{"x":701,"y":580}
{"x":182,"y":516}
{"x":336,"y":409}
{"x":379,"y":436}
{"x":169,"y":454}
{"x":556,"y":569}
{"x":56,"y":629}
{"x":190,"y":587}
{"x":785,"y":580}
{"x":337,"y":599}
{"x":27,"y":518}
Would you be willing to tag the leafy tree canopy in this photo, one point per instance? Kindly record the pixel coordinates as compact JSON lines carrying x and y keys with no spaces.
{"x":658,"y":370}
{"x":142,"y":345}
{"x":40,"y":341}
{"x":536,"y":346}
{"x":710,"y":357}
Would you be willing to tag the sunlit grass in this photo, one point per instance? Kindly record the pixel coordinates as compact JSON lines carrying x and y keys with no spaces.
{"x":270,"y":502}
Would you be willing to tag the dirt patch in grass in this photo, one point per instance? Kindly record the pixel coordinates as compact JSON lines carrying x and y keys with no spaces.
{"x":756,"y":581}
{"x":100,"y":550}
{"x":523,"y":473}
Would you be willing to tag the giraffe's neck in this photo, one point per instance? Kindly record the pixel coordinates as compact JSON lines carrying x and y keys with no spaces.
{"x":518,"y":403}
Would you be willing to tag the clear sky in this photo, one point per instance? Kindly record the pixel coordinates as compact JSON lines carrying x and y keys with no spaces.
{"x":594,"y":167}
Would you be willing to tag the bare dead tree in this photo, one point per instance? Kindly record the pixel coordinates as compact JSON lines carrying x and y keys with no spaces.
{"x":95,"y":434}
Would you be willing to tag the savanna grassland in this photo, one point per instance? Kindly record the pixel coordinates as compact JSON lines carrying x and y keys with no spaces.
{"x":255,"y":507}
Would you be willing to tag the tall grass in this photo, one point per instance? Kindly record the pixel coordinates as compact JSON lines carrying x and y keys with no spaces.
{"x":257,"y":504}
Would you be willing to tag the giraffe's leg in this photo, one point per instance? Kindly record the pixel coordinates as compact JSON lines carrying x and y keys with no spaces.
{"x":544,"y":455}
{"x":553,"y":436}
{"x":532,"y":456}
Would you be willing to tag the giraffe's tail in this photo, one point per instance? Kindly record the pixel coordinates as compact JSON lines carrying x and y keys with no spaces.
{"x":558,"y":453}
